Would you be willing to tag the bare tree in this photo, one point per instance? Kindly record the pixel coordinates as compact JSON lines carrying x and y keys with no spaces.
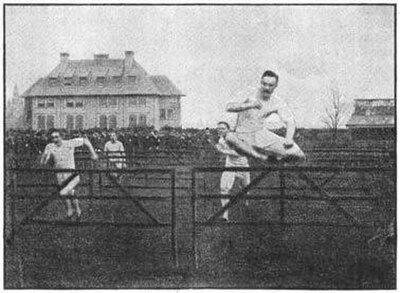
{"x":335,"y":111}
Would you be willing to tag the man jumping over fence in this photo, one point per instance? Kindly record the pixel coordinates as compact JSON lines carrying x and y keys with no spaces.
{"x":233,"y":159}
{"x":62,"y":153}
{"x":250,"y":133}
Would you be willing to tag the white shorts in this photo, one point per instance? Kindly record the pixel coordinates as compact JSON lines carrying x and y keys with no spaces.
{"x":228,"y":179}
{"x":69,"y":189}
{"x":270,"y":142}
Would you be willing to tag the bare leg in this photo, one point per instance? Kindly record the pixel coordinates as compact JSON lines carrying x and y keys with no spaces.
{"x":227,"y":181}
{"x":244,"y":181}
{"x":75,"y":202}
{"x":242,"y":147}
{"x":70,"y":210}
{"x":224,"y":202}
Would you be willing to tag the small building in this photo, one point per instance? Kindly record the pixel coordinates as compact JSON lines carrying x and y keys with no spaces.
{"x":373,"y":119}
{"x":104,"y":93}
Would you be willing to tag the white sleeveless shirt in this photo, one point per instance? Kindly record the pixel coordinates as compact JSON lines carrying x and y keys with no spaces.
{"x":253,"y":120}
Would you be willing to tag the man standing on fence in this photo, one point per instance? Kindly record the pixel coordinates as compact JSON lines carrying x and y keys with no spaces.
{"x":251,"y":134}
{"x":114,"y":149}
{"x":62,"y":153}
{"x":233,"y":159}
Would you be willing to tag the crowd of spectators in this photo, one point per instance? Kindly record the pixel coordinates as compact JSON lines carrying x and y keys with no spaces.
{"x":30,"y":142}
{"x":136,"y":140}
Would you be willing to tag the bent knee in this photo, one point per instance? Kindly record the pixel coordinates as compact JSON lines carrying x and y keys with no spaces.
{"x":296,"y":151}
{"x":225,"y":190}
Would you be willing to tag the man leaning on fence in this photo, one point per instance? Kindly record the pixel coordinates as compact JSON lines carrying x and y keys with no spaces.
{"x":62,"y":153}
{"x":115,"y":152}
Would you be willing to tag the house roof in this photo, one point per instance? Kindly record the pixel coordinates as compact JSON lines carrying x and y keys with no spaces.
{"x":164,"y":84}
{"x":361,"y":121}
{"x":144,"y":84}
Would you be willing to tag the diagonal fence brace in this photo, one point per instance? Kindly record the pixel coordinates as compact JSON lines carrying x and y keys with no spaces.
{"x":327,"y":197}
{"x":45,"y":203}
{"x":238,"y":196}
{"x":135,"y":201}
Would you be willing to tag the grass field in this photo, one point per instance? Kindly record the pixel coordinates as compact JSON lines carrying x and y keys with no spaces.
{"x":272,"y":255}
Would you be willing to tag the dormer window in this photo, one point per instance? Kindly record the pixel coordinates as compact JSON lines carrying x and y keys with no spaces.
{"x":70,"y":104}
{"x":131,"y":79}
{"x":41,"y":103}
{"x":50,"y":103}
{"x":67,"y":81}
{"x":52,"y":81}
{"x":83,"y":80}
{"x":101,"y":80}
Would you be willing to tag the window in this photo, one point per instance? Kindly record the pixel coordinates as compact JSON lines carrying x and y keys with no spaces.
{"x":50,"y":103}
{"x":103,"y":121}
{"x":170,"y":114}
{"x":112,"y":102}
{"x":132,"y":101}
{"x":79,"y":104}
{"x":53,"y":81}
{"x":117,"y":79}
{"x":70,"y":104}
{"x":101,"y":80}
{"x":131,"y":79}
{"x":50,"y":121}
{"x":112,"y":121}
{"x":162,"y":114}
{"x":41,"y":122}
{"x":132,"y":120}
{"x":41,"y":103}
{"x":83,"y":80}
{"x":70,"y":122}
{"x":142,"y":120}
{"x":67,"y":81}
{"x":103,"y":102}
{"x":142,"y":101}
{"x":79,"y":122}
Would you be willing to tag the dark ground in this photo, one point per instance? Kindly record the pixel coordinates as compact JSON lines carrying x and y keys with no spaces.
{"x":267,"y":256}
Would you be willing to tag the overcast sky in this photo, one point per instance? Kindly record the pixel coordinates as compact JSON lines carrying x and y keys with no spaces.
{"x":217,"y":54}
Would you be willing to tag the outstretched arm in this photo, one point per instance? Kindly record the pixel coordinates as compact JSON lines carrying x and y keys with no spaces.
{"x":93,"y":154}
{"x":246,"y":105}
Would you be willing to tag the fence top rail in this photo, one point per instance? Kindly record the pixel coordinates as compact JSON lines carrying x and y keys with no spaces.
{"x":191,"y":152}
{"x":194,"y":150}
{"x":294,"y":168}
{"x":92,"y":170}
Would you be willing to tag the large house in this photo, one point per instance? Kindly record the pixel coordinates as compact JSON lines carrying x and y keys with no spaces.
{"x":373,"y":119}
{"x":102,"y":92}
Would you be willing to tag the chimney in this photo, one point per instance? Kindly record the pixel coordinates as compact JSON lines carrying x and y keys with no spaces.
{"x":64,"y":57}
{"x":129,"y":59}
{"x":100,"y":56}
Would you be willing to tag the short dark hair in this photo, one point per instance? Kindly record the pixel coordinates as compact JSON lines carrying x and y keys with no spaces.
{"x":52,"y":130}
{"x":224,"y":123}
{"x":271,"y":74}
